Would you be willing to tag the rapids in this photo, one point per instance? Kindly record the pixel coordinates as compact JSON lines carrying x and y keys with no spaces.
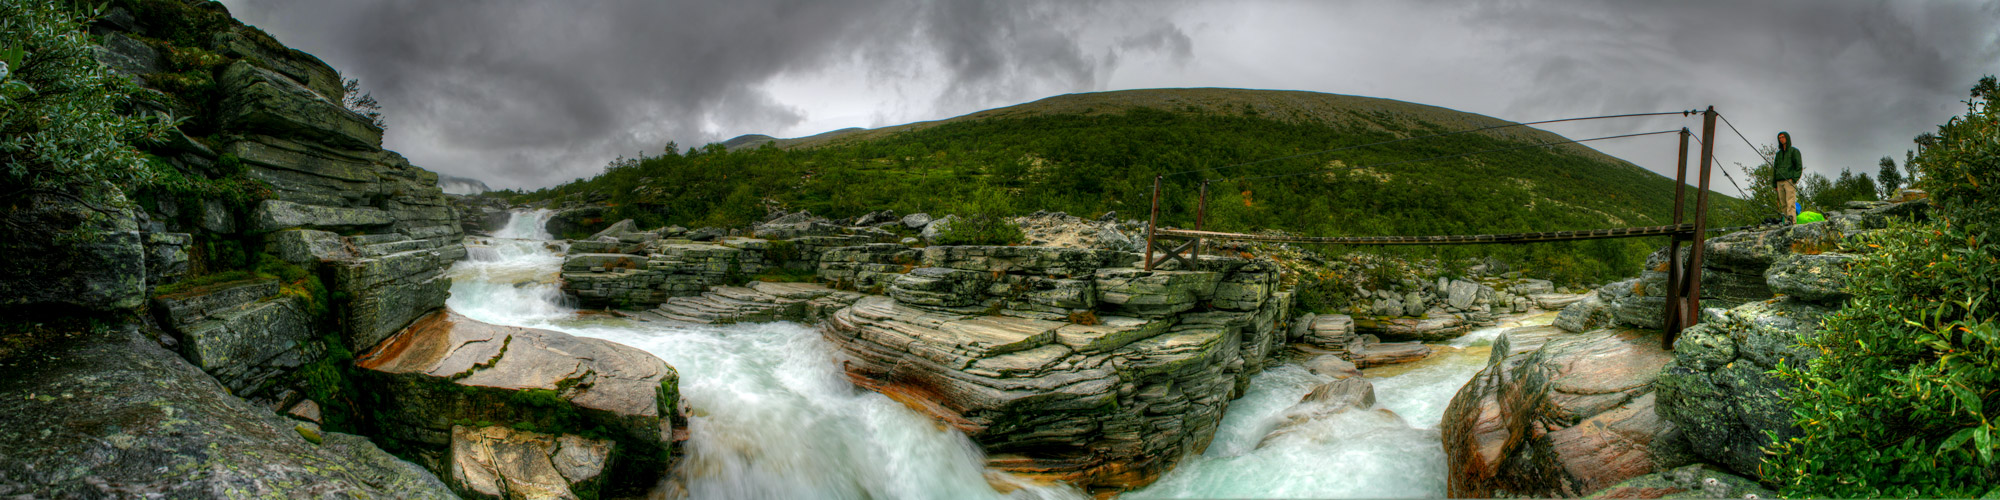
{"x":772,"y":417}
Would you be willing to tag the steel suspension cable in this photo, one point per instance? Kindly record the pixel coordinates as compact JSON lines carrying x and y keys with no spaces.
{"x":1430,"y":136}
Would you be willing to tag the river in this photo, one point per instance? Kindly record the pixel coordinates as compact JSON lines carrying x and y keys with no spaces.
{"x":773,"y":417}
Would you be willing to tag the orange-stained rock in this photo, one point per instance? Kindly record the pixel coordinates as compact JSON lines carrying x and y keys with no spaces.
{"x":1569,"y":418}
{"x":446,"y":369}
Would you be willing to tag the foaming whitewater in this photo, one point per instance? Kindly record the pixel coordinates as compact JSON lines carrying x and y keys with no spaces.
{"x":1353,"y":454}
{"x":772,"y":416}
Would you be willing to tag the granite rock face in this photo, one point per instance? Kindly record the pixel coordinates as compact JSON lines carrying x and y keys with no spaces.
{"x":113,"y":415}
{"x":1571,"y":417}
{"x":447,"y":369}
{"x":1718,"y":389}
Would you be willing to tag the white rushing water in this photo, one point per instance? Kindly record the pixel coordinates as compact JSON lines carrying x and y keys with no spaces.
{"x":1353,"y":454}
{"x":772,"y":416}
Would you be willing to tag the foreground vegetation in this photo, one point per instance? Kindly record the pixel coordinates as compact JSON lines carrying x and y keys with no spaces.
{"x":1904,"y":397}
{"x":1105,"y":160}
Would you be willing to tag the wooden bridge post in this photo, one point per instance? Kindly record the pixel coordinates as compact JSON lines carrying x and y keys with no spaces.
{"x":1672,"y":325}
{"x":1200,"y":220}
{"x":1153,"y":222}
{"x":1691,"y":312}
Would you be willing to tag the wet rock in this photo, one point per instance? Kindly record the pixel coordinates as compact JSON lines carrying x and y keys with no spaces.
{"x":1718,"y":388}
{"x":1587,"y":314}
{"x":447,"y":368}
{"x":1463,"y":294}
{"x":503,"y":463}
{"x":1691,"y":481}
{"x":1368,"y":353}
{"x":1426,"y":329}
{"x":1332,"y":366}
{"x":1814,"y":278}
{"x":1331,"y":332}
{"x":1572,"y":417}
{"x":112,"y":415}
{"x":757,"y":302}
{"x":1107,"y":406}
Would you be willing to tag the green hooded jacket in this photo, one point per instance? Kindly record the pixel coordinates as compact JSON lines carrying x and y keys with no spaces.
{"x":1787,"y":166}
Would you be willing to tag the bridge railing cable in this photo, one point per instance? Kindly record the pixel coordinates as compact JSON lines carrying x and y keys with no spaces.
{"x":1446,"y":157}
{"x":1429,"y":136}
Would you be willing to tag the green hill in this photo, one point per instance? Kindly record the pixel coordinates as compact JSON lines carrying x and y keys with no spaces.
{"x":1087,"y":154}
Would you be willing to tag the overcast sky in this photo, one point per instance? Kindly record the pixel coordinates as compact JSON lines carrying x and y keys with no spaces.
{"x":534,"y":93}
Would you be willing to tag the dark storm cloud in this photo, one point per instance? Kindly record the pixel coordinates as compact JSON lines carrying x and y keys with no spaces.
{"x":1852,"y":80}
{"x":530,"y":93}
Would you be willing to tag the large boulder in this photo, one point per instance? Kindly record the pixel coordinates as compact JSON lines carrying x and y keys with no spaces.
{"x":387,"y":292}
{"x":447,"y":369}
{"x":111,"y":414}
{"x":1718,"y":387}
{"x":1571,"y":417}
{"x":1588,"y":314}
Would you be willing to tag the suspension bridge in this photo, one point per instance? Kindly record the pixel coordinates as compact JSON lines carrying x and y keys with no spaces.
{"x":1690,"y":217}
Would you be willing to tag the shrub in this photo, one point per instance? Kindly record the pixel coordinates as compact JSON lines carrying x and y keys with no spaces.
{"x":1904,"y":396}
{"x":61,"y":132}
{"x":983,"y":222}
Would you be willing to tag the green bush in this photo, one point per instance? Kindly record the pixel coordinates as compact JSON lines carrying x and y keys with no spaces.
{"x":983,"y":222}
{"x":1903,"y":399}
{"x":62,"y":133}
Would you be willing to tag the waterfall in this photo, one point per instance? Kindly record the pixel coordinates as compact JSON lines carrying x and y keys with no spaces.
{"x":772,"y":416}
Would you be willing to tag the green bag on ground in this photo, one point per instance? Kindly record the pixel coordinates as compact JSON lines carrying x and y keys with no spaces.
{"x":1808,"y":217}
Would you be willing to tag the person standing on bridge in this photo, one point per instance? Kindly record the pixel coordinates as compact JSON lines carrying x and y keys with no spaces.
{"x":1786,"y":167}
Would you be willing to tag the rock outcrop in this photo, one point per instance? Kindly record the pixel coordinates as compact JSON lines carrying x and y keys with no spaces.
{"x":1571,"y":417}
{"x":503,"y":463}
{"x":1718,"y":388}
{"x":447,"y":370}
{"x":1059,"y":362}
{"x":110,"y":414}
{"x":1691,"y":481}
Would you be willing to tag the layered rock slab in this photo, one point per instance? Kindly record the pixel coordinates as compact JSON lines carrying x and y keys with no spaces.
{"x":446,"y":369}
{"x":1104,"y":406}
{"x":503,"y":463}
{"x":1572,"y":417}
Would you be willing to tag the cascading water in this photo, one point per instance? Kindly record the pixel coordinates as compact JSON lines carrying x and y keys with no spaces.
{"x":772,"y":416}
{"x":1353,"y":454}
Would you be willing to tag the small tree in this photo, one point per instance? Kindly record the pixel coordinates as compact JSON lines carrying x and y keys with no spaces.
{"x":362,"y":103}
{"x":1890,"y":177}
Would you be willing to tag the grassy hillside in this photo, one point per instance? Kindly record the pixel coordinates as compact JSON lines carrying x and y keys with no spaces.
{"x":1091,"y":153}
